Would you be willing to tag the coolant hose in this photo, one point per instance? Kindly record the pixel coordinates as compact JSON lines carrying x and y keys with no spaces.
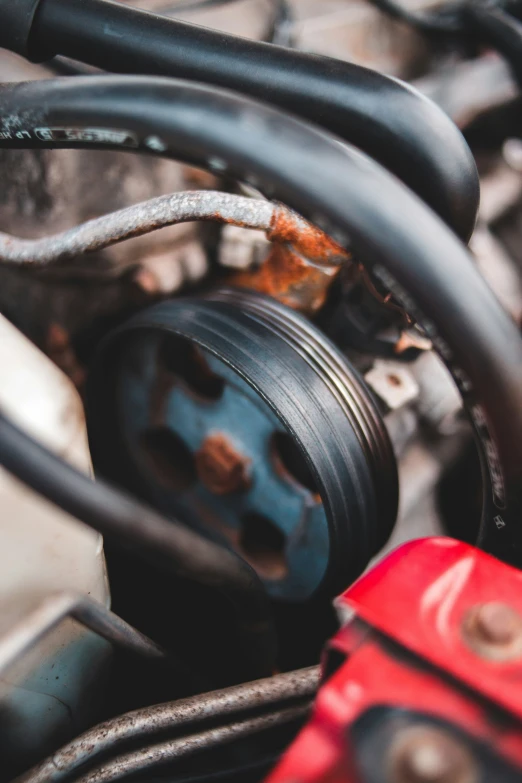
{"x":387,"y":119}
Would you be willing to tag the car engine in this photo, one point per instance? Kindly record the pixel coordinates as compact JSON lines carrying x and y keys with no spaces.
{"x":261,"y":350}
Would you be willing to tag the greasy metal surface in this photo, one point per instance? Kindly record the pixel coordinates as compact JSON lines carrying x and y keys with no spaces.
{"x":144,"y":725}
{"x":93,"y":615}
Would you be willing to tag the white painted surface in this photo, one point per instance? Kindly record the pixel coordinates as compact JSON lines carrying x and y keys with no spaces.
{"x":43,"y":551}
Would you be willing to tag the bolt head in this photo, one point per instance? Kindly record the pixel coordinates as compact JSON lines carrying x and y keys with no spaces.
{"x":424,"y":754}
{"x":494,"y":631}
{"x":221,"y":468}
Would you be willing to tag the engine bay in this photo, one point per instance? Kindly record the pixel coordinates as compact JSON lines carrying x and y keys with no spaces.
{"x":261,"y":399}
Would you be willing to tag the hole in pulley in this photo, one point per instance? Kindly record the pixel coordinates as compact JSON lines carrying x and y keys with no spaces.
{"x":290,"y":462}
{"x":185,"y":360}
{"x":263,"y":545}
{"x":169,"y":457}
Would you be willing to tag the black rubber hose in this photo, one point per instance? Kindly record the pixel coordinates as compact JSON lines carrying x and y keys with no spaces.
{"x":191,"y":5}
{"x":491,"y":22}
{"x":439,"y":20}
{"x":280,"y":31}
{"x":496,"y":27}
{"x":386,"y":226}
{"x":166,"y":543}
{"x":390,"y":121}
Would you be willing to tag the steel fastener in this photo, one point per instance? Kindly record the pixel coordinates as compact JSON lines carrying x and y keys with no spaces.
{"x":494,"y":631}
{"x":424,"y":754}
{"x":221,"y":467}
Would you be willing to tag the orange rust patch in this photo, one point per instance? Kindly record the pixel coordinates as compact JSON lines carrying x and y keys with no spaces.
{"x":221,"y":468}
{"x":305,"y":238}
{"x":59,"y":348}
{"x":289,"y":279}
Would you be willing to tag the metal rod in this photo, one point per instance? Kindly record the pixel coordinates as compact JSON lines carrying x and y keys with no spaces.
{"x":167,"y":543}
{"x":280,"y":223}
{"x":150,"y":758}
{"x":135,"y":221}
{"x":144,"y":724}
{"x":89,"y":613}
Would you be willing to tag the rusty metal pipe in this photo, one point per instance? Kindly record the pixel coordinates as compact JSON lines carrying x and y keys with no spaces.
{"x":150,"y":758}
{"x":147,"y":723}
{"x":280,"y":223}
{"x":137,"y":220}
{"x":298,"y":272}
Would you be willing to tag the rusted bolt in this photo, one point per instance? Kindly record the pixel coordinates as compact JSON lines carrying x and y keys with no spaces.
{"x":424,"y":754}
{"x":494,"y":631}
{"x":394,"y":380}
{"x":221,"y":468}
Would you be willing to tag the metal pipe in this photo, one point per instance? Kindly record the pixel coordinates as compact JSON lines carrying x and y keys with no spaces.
{"x":298,"y":272}
{"x":145,"y":724}
{"x":150,"y":758}
{"x":279,"y":222}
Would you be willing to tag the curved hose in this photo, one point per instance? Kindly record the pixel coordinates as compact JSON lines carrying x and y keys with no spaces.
{"x":405,"y":132}
{"x":166,"y":543}
{"x":487,"y":21}
{"x":445,"y":20}
{"x":497,"y":28}
{"x":350,"y":197}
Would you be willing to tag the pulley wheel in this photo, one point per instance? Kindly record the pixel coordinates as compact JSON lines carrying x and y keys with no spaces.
{"x":236,"y":415}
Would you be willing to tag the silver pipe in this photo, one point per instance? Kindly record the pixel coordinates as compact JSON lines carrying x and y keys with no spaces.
{"x":137,"y":220}
{"x":146,"y":723}
{"x":173,"y":750}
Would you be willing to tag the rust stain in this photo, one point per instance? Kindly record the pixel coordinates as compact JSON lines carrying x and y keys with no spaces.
{"x":290,"y":279}
{"x":307,"y":240}
{"x":58,"y":347}
{"x":221,"y":468}
{"x":301,"y":266}
{"x":227,"y":220}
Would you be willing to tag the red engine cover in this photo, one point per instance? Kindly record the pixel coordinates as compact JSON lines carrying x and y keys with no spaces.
{"x":424,"y":682}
